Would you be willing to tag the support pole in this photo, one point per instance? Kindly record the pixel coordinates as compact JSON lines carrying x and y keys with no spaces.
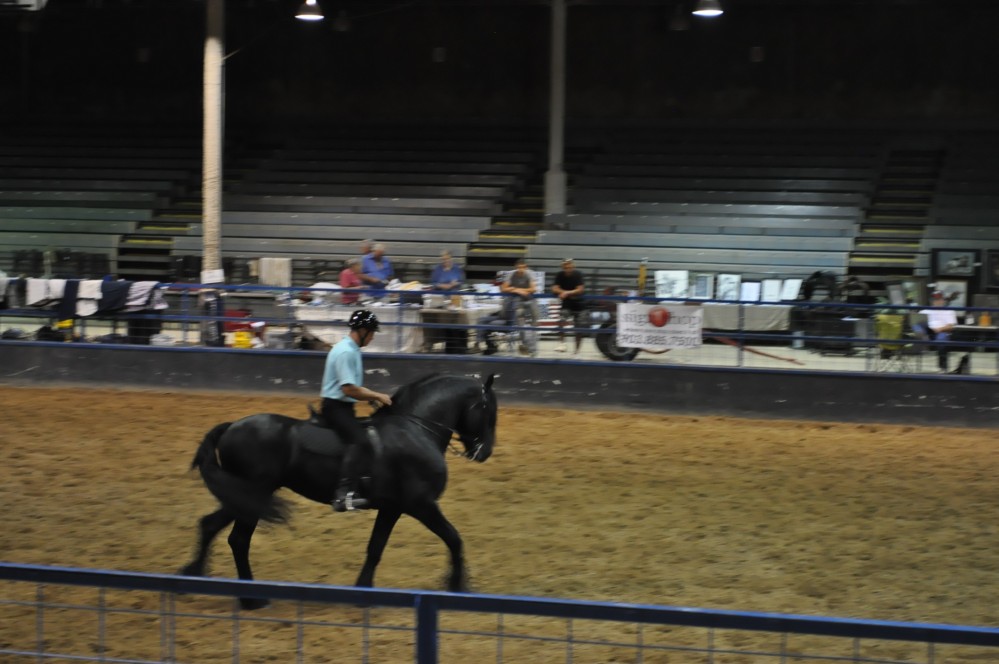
{"x":211,"y":182}
{"x":555,"y":178}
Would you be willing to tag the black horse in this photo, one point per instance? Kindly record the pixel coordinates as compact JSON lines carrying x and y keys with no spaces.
{"x":244,"y":462}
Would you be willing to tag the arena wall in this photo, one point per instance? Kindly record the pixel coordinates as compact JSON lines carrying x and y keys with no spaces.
{"x":840,"y":396}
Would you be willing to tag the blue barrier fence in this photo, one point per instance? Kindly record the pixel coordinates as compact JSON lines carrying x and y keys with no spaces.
{"x":644,"y":632}
{"x":738,"y":334}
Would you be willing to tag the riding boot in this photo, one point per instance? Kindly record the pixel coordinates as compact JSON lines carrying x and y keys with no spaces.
{"x":347,"y":499}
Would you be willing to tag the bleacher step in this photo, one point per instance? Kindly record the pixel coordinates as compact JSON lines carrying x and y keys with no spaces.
{"x":506,"y":237}
{"x":887,"y":247}
{"x":497,"y":249}
{"x":146,"y":241}
{"x":517,"y":225}
{"x":881,"y":259}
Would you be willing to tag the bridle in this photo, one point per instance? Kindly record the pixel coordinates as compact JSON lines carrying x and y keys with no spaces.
{"x":451,"y":431}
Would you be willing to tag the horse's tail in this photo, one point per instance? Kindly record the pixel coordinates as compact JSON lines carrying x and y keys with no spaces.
{"x":206,"y":450}
{"x":247,"y":500}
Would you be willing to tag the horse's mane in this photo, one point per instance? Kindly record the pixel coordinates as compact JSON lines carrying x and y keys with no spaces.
{"x":406,"y":396}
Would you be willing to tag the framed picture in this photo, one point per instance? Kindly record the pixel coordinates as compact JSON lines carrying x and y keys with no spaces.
{"x":750,"y":291}
{"x":954,"y":290}
{"x":703,"y":286}
{"x":991,"y":270}
{"x":771,"y":290}
{"x":956,"y":262}
{"x":729,"y":287}
{"x":672,"y":283}
{"x":790,"y":289}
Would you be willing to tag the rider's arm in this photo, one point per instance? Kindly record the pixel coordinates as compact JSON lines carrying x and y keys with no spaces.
{"x":364,"y":394}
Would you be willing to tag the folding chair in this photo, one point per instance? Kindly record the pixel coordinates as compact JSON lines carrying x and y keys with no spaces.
{"x":893,"y":352}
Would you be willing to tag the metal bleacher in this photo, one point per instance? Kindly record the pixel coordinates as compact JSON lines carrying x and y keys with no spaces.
{"x":758,"y":202}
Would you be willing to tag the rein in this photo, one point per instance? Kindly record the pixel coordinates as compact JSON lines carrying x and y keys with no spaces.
{"x":426,"y":424}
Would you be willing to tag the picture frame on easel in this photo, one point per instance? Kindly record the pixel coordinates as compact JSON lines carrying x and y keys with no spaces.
{"x":958,"y":263}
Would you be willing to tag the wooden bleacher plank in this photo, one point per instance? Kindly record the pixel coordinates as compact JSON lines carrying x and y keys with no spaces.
{"x":79,"y":173}
{"x":36,"y":184}
{"x":721,"y":209}
{"x":57,"y":212}
{"x":584,"y":198}
{"x":352,"y":177}
{"x":138,"y":163}
{"x":353,"y":233}
{"x":411,"y":156}
{"x":99,"y":226}
{"x":315,"y":249}
{"x":799,"y":226}
{"x":27,"y":240}
{"x":357,"y":204}
{"x":370,"y":221}
{"x":726,"y":170}
{"x":105,"y":199}
{"x":63,"y":151}
{"x":740,"y":160}
{"x":680,"y":256}
{"x":722,"y":183}
{"x":702,"y":241}
{"x":261,"y":188}
{"x":330,"y":165}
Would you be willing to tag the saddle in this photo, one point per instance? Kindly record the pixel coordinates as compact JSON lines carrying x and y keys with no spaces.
{"x":327,"y":445}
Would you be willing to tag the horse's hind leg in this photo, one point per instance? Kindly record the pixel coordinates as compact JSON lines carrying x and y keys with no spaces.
{"x":384,"y":523}
{"x":432,"y":517}
{"x":208,"y":528}
{"x":239,"y":542}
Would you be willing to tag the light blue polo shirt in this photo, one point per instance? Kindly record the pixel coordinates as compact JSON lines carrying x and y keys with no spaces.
{"x":343,"y":367}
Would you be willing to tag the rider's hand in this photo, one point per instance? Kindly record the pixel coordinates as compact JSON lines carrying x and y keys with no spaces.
{"x":383,"y":399}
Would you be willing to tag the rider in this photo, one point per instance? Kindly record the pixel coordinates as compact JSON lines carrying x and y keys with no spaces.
{"x":342,"y":388}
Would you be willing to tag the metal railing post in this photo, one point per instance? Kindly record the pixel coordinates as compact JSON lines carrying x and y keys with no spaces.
{"x":426,"y":630}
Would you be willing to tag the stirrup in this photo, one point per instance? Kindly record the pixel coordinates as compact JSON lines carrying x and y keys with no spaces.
{"x":351,"y":503}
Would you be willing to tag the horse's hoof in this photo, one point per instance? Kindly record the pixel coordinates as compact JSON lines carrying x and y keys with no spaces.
{"x":253,"y":603}
{"x":191,"y":570}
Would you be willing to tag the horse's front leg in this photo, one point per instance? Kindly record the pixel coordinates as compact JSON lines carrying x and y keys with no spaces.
{"x":432,"y":517}
{"x":384,"y":523}
{"x":209,"y":527}
{"x":239,"y":542}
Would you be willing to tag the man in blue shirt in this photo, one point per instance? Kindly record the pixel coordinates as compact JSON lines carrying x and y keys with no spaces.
{"x":376,"y":269}
{"x":343,"y":379}
{"x":446,"y":274}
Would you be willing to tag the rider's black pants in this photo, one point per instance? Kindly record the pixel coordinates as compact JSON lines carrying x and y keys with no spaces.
{"x":340,"y":417}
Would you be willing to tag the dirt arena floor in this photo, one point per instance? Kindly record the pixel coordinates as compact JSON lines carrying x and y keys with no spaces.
{"x":870,"y":521}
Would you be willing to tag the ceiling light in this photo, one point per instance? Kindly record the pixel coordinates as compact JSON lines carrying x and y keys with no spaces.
{"x":708,"y":8}
{"x":310,"y":11}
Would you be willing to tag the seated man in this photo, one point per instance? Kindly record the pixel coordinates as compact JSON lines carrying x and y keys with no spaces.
{"x":520,"y":282}
{"x":350,"y":280}
{"x":940,"y":323}
{"x":376,"y":268}
{"x":447,"y":275}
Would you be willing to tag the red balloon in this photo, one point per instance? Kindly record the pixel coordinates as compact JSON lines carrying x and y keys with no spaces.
{"x":658,"y":316}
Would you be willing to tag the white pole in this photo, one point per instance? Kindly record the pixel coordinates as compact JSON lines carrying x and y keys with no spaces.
{"x":211,"y":183}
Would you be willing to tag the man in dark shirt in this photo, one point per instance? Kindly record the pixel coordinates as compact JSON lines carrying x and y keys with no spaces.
{"x":569,"y":288}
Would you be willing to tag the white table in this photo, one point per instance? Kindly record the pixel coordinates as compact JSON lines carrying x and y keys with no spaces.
{"x":455,"y":339}
{"x":393,"y":337}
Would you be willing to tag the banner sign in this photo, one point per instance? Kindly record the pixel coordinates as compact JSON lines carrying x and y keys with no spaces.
{"x":659,"y":326}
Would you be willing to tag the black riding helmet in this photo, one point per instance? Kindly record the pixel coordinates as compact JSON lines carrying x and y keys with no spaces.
{"x":362,"y":319}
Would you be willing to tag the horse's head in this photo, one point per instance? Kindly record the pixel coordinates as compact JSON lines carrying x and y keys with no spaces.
{"x":476,"y":427}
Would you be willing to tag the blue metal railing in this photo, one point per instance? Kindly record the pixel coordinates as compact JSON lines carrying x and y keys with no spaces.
{"x":427,"y":607}
{"x":189,"y":317}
